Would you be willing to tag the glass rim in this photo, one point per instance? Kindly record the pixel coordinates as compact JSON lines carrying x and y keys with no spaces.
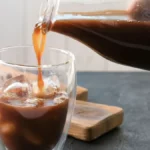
{"x":66,"y":52}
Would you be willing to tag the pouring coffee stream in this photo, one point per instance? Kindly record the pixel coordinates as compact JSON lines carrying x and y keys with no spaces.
{"x":117,"y":35}
{"x":47,"y":13}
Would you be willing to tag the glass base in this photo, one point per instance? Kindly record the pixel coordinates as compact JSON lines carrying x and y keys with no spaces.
{"x":59,"y":146}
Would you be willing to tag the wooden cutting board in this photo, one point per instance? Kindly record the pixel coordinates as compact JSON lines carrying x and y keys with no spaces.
{"x":7,"y":72}
{"x":82,"y":93}
{"x":91,"y":120}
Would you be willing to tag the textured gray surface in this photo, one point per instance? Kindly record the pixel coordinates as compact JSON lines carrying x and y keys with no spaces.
{"x":131,"y":91}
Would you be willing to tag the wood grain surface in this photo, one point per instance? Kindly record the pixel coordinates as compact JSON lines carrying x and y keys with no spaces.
{"x":91,"y":120}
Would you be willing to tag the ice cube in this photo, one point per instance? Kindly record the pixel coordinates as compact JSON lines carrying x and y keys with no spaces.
{"x":60,"y":97}
{"x":34,"y":102}
{"x":51,"y":87}
{"x":17,"y":87}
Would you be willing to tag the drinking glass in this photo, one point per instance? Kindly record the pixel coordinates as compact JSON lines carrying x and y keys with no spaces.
{"x":24,"y":124}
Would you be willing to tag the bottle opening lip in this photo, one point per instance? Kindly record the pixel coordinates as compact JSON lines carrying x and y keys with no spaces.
{"x":48,"y":12}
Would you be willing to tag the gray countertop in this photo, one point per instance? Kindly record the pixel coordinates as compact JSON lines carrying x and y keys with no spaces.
{"x":131,"y":91}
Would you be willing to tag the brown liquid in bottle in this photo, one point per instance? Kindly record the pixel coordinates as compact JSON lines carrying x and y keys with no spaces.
{"x":113,"y":35}
{"x":39,"y":40}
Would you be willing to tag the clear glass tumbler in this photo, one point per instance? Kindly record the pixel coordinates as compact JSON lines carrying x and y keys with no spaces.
{"x":27,"y":120}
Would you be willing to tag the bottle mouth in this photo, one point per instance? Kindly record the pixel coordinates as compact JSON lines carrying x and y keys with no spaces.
{"x":47,"y":14}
